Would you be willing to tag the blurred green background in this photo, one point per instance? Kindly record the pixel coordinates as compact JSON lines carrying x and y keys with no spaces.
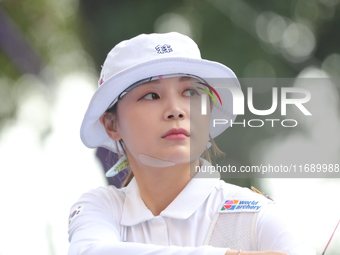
{"x":48,"y":47}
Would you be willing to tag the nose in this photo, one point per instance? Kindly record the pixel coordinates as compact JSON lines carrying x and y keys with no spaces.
{"x":175,"y":116}
{"x":174,"y":109}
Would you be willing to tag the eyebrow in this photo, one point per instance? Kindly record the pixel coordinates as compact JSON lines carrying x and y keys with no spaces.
{"x":184,"y":78}
{"x":143,"y":82}
{"x":180,"y":79}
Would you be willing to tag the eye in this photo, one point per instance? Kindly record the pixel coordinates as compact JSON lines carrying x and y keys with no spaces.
{"x":150,"y":96}
{"x":190,"y":92}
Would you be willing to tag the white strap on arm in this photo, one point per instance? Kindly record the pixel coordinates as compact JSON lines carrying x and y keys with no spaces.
{"x":234,"y":191}
{"x":237,"y":229}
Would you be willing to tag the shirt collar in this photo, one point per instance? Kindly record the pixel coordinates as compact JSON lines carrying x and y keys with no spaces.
{"x":182,"y":207}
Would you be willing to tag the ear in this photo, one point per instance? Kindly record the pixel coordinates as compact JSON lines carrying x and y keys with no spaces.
{"x":108,"y":119}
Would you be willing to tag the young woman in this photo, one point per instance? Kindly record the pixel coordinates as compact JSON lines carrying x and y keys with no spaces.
{"x":151,"y":108}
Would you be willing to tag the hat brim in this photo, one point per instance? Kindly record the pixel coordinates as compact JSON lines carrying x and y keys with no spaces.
{"x":93,"y":133}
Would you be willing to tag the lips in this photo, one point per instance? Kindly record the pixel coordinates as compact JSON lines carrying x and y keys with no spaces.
{"x":176,"y":132}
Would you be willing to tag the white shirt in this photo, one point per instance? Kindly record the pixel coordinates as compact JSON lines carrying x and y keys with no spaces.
{"x":108,"y":221}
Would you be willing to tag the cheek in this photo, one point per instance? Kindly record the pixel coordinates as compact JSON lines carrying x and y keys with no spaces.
{"x":197,"y":117}
{"x":200,"y":125}
{"x":133,"y":126}
{"x":200,"y":136}
{"x":123,"y":119}
{"x":128,"y":125}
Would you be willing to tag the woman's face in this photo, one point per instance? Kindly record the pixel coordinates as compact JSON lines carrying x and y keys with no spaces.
{"x":162,"y":119}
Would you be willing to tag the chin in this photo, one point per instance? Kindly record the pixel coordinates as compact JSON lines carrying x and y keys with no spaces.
{"x":178,"y":157}
{"x":184,"y":159}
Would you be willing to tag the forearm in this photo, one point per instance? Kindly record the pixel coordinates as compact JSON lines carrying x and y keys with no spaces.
{"x":109,"y":248}
{"x":233,"y":252}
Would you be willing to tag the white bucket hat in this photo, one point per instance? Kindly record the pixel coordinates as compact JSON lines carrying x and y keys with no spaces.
{"x":149,"y":55}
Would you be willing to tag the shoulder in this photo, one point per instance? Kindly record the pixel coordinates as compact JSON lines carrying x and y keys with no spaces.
{"x":231,"y":190}
{"x":103,"y":199}
{"x":107,"y":194}
{"x":276,"y":231}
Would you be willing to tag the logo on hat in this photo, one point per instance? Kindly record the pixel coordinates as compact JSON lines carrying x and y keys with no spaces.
{"x":166,"y":48}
